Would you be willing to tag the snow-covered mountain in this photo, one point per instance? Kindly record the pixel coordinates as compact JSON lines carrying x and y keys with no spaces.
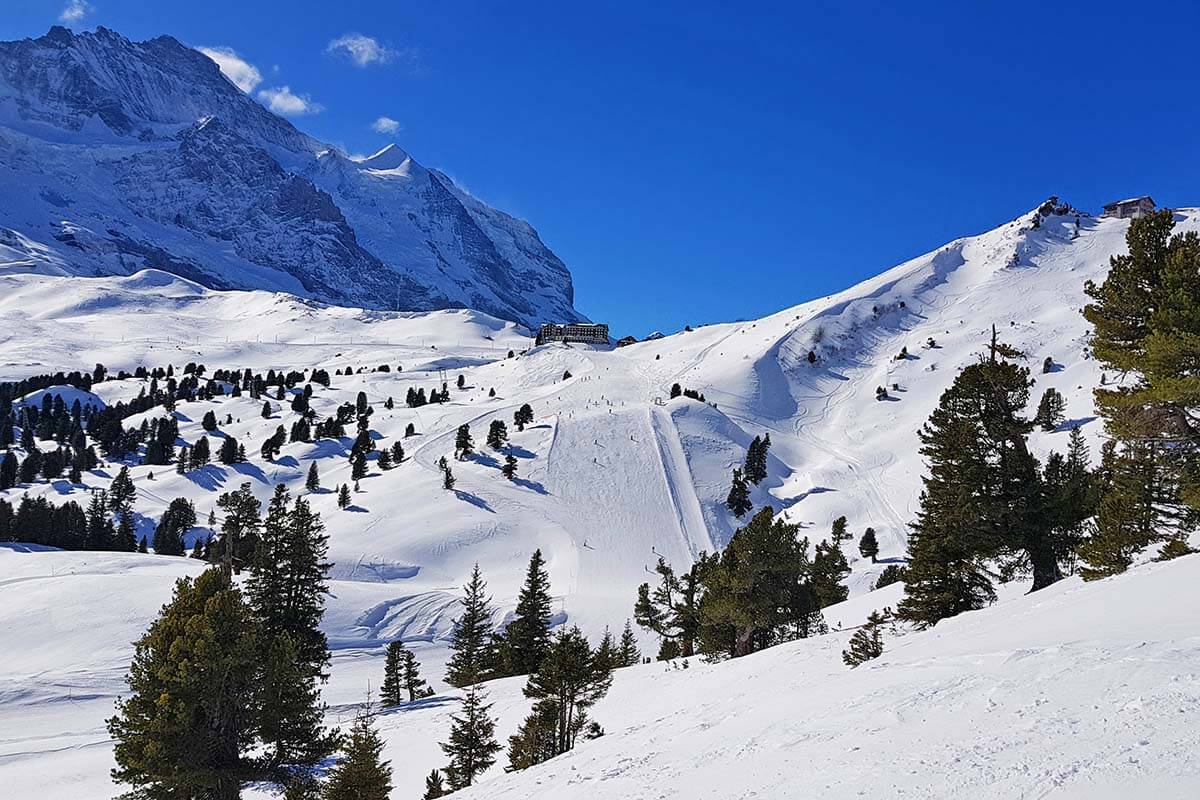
{"x":117,"y":156}
{"x":613,"y":474}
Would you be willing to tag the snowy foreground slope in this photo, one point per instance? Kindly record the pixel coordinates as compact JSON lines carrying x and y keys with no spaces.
{"x":612,"y":475}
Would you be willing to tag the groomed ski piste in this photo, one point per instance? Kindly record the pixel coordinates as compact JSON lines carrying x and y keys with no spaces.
{"x":613,"y":474}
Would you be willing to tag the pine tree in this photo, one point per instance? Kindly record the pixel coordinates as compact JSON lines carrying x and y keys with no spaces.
{"x":126,"y":538}
{"x":829,"y":571}
{"x":358,"y":466}
{"x":529,"y":632}
{"x":360,"y":774}
{"x":448,"y":479}
{"x":384,"y":461}
{"x":672,"y":609}
{"x":1145,"y":321}
{"x":343,"y":498}
{"x":121,"y":492}
{"x":463,"y":446}
{"x":1050,"y":410}
{"x":176,"y":520}
{"x":838,"y":533}
{"x":391,"y":691}
{"x":868,"y":545}
{"x":434,"y":786}
{"x":313,"y":481}
{"x":469,"y":640}
{"x":266,"y":409}
{"x":738,"y":501}
{"x":397,"y":453}
{"x":984,"y":498}
{"x":572,"y":678}
{"x":239,"y":529}
{"x":497,"y":434}
{"x":509,"y":470}
{"x":867,"y":641}
{"x":523,"y":416}
{"x":187,"y":727}
{"x":286,"y":591}
{"x":628,"y":651}
{"x":755,"y":467}
{"x":411,"y":678}
{"x":472,"y":747}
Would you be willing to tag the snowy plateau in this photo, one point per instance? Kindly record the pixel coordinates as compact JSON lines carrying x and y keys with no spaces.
{"x":1076,"y":691}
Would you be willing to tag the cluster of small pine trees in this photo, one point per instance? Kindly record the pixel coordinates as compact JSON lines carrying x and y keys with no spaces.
{"x":765,"y":587}
{"x":753,"y":472}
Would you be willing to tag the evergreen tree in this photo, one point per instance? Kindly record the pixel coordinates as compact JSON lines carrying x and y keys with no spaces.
{"x":360,"y":774}
{"x":529,"y":633}
{"x":756,"y":592}
{"x":628,"y":652}
{"x":358,"y":466}
{"x":497,"y":434}
{"x":672,"y":610}
{"x":472,"y":630}
{"x":313,"y":481}
{"x":738,"y":501}
{"x":188,"y":725}
{"x":286,"y":591}
{"x":463,"y":446}
{"x":397,"y":453}
{"x":209,"y":423}
{"x":839,"y":534}
{"x":384,"y":461}
{"x":523,"y":416}
{"x":867,"y":641}
{"x":571,"y":680}
{"x":434,"y":786}
{"x":391,"y":692}
{"x":829,"y":571}
{"x":1145,"y":319}
{"x":126,"y":538}
{"x":472,"y":746}
{"x":984,"y":498}
{"x":755,"y":467}
{"x":448,"y":479}
{"x":179,"y":517}
{"x":1050,"y":410}
{"x":509,"y":470}
{"x":239,"y":529}
{"x":868,"y":545}
{"x":121,"y":492}
{"x":343,"y":498}
{"x":411,"y":678}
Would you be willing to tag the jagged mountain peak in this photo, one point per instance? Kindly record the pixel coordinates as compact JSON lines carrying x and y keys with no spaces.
{"x":390,"y":157}
{"x":403,"y":237}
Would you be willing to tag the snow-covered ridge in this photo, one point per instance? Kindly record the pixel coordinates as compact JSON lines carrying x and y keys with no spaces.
{"x":117,"y":156}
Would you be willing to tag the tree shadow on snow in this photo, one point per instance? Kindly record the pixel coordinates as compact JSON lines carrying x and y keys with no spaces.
{"x":1074,"y":423}
{"x":533,"y":485}
{"x":474,"y":500}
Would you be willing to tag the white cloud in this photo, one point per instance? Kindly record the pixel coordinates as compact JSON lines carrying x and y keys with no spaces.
{"x":244,"y":75}
{"x":282,"y":100}
{"x":362,"y":50}
{"x":75,"y":11}
{"x":385,"y":125}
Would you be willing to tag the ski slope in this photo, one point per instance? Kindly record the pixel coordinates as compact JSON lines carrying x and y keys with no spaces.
{"x":611,"y":476}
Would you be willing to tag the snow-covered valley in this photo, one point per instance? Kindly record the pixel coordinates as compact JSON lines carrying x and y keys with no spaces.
{"x":612,"y":474}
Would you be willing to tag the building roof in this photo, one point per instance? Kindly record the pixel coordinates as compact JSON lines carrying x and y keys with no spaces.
{"x":1130,"y":200}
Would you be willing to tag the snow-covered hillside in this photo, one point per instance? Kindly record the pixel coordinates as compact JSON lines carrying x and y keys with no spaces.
{"x":117,"y":156}
{"x":612,"y":474}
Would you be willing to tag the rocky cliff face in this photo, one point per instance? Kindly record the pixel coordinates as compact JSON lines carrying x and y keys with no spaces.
{"x":117,"y":155}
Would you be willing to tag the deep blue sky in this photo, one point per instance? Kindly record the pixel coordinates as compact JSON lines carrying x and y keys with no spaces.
{"x":695,"y":162}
